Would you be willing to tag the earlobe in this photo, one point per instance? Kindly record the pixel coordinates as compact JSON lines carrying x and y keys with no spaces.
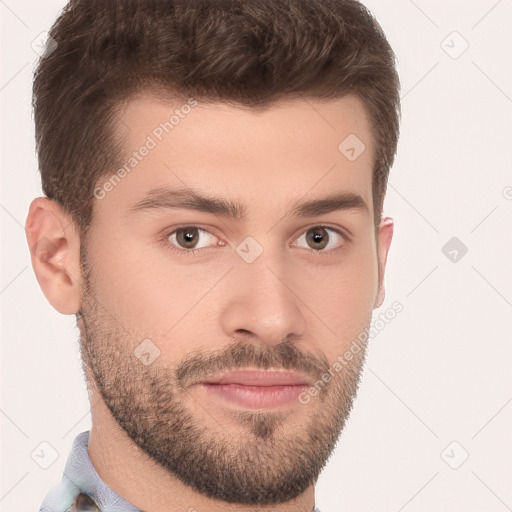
{"x":385,"y":236}
{"x":54,"y":246}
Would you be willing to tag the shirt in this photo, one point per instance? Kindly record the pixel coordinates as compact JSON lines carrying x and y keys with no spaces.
{"x":79,"y":476}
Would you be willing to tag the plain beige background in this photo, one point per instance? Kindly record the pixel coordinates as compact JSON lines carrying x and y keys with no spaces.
{"x":430,"y":429}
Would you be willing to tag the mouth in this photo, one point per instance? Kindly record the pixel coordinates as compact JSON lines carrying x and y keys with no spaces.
{"x":257,"y":389}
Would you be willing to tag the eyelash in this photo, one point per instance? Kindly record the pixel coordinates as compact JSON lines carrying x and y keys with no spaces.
{"x":167,"y":244}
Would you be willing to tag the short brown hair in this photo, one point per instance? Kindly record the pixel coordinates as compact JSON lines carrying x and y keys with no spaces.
{"x":246,"y":53}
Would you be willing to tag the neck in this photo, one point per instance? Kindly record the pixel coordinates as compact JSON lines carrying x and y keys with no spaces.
{"x":128,"y":471}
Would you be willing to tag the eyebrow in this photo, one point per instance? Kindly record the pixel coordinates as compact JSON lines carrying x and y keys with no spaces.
{"x":165,"y":198}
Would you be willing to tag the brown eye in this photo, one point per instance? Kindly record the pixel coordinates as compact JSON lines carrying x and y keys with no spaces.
{"x":187,"y":237}
{"x":317,"y":238}
{"x":322,"y":239}
{"x":190,"y":239}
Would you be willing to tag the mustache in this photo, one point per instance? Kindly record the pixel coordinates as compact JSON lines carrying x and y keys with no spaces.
{"x":241,"y":354}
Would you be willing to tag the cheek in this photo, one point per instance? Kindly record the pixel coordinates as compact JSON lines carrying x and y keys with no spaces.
{"x":124,"y":278}
{"x":147,"y":290}
{"x":342,"y":298}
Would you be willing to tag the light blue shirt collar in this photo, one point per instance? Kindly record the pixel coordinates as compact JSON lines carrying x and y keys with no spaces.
{"x":80,"y":476}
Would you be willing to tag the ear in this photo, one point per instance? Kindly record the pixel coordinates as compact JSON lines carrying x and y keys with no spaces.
{"x":384,"y":236}
{"x":54,"y":246}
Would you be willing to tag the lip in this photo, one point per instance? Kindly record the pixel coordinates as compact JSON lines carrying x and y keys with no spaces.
{"x":253,"y":389}
{"x":260,"y":378}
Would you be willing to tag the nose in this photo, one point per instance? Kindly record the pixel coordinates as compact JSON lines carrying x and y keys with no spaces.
{"x":261,"y":303}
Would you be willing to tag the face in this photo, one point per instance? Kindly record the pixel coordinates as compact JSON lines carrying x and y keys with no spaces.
{"x":215,"y":329}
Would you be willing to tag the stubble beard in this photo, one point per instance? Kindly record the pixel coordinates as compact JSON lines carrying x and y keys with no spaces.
{"x":257,"y":459}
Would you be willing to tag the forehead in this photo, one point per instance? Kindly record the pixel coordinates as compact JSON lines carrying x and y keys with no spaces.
{"x":292,"y":148}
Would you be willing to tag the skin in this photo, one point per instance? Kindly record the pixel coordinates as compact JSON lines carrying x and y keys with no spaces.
{"x":132,"y":287}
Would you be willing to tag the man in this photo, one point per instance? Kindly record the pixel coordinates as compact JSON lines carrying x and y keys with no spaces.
{"x":214,"y":174}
